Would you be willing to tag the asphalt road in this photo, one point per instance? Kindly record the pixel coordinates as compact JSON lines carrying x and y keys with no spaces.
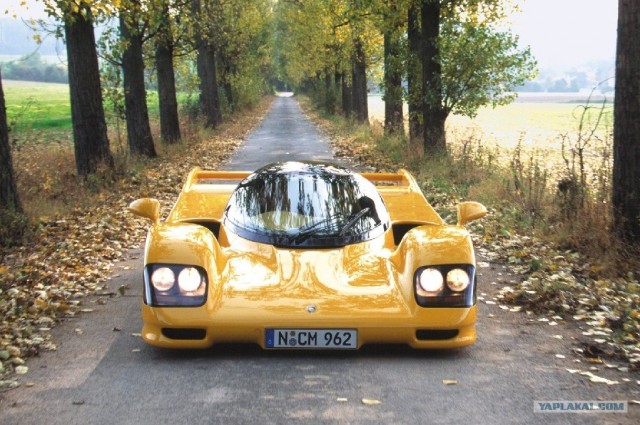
{"x":103,"y":373}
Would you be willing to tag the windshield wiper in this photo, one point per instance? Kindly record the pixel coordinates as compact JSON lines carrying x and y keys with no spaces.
{"x":353,"y":220}
{"x":310,"y":229}
{"x":325,"y":224}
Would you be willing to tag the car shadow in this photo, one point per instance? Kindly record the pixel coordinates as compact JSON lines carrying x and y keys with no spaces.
{"x":236,"y":351}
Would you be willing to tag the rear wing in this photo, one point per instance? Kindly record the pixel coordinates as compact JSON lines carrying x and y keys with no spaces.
{"x":400,"y":180}
{"x":200,"y":176}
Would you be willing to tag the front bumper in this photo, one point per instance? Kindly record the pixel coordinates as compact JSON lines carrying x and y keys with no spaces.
{"x":425,"y":328}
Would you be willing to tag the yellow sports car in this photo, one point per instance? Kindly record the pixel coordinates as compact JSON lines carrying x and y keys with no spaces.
{"x":307,"y":255}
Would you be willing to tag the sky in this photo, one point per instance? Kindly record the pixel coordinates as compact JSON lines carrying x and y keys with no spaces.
{"x":561,"y":33}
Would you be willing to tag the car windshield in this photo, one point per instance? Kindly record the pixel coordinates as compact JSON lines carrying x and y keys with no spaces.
{"x":306,"y":204}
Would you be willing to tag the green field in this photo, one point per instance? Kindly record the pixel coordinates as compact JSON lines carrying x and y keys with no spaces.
{"x":37,"y":106}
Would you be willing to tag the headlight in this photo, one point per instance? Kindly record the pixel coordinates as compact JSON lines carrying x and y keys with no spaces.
{"x":175,"y":285}
{"x":430,"y":280}
{"x":445,"y":285}
{"x":189,"y":279}
{"x":163,"y":279}
{"x":457,"y":280}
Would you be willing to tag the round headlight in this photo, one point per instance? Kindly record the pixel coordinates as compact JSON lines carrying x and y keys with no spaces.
{"x":430,"y":280}
{"x":163,"y":279}
{"x":457,"y":280}
{"x":189,"y":279}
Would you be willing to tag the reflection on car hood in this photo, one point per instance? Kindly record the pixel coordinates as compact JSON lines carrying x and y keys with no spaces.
{"x":330,"y":277}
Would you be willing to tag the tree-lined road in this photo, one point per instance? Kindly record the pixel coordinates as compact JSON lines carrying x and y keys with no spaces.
{"x":103,"y":373}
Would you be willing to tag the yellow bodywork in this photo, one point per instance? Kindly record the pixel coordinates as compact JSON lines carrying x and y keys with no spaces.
{"x":367,"y":286}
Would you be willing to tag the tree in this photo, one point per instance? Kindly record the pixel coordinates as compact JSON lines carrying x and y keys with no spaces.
{"x":9,"y":199}
{"x":91,"y":144}
{"x":206,"y":62}
{"x":168,"y":104}
{"x":626,"y":146}
{"x":139,"y":136}
{"x":434,"y":115}
{"x":360,"y":93}
{"x":414,"y":72}
{"x":393,"y":69}
{"x":467,"y":62}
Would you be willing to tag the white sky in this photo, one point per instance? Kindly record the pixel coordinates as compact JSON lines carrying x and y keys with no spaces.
{"x":561,"y":33}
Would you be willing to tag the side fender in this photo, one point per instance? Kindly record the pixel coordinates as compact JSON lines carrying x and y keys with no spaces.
{"x":184,"y":243}
{"x":431,"y":245}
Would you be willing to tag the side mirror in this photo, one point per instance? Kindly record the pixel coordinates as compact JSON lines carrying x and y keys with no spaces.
{"x":469,"y":211}
{"x":146,"y":208}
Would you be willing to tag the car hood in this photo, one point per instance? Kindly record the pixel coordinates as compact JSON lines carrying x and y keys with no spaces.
{"x":332,"y":279}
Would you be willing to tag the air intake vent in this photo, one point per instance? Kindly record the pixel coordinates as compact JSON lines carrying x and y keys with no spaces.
{"x":184,"y":333}
{"x":436,"y":334}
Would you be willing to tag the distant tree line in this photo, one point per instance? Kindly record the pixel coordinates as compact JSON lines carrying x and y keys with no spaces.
{"x":573,"y":81}
{"x":34,"y":68}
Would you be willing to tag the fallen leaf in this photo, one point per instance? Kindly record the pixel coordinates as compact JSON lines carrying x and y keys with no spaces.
{"x":450,"y":382}
{"x":598,"y":379}
{"x":342,"y":399}
{"x":370,"y":402}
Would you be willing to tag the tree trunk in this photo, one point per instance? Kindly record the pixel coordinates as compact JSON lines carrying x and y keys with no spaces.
{"x":626,"y":163}
{"x":347,"y":96}
{"x":414,"y":75}
{"x":168,"y":103}
{"x":135,"y":95}
{"x":393,"y":66}
{"x":91,"y":144}
{"x":207,"y":73}
{"x":434,"y":115}
{"x":360,"y":106}
{"x":228,"y":72}
{"x":9,"y":199}
{"x":329,"y":94}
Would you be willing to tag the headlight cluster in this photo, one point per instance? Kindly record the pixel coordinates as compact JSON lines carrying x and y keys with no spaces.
{"x":175,"y":285}
{"x":445,"y":286}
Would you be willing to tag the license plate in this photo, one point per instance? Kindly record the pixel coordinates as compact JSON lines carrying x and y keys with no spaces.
{"x":346,"y":339}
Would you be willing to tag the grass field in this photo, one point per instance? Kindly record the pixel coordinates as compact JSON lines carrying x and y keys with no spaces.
{"x":37,"y":106}
{"x":538,"y":121}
